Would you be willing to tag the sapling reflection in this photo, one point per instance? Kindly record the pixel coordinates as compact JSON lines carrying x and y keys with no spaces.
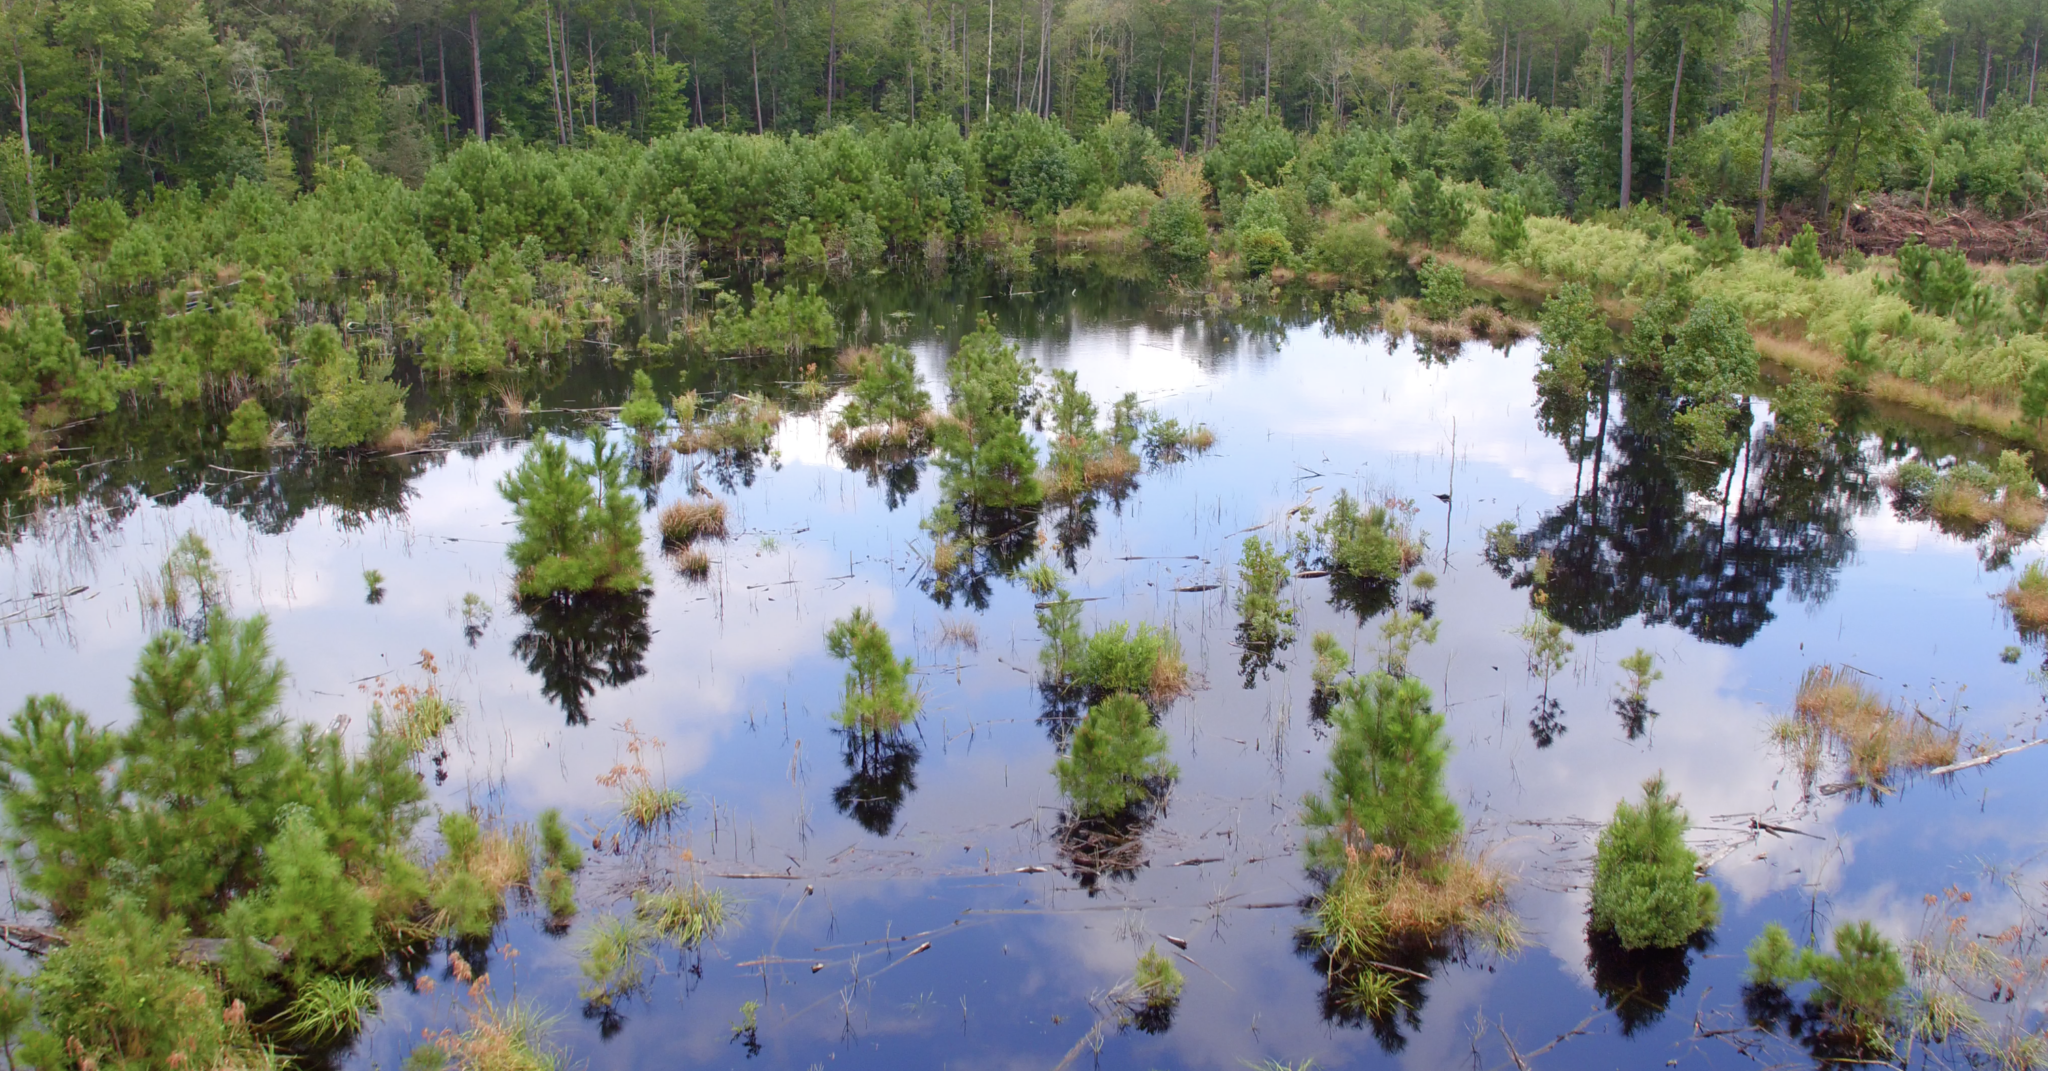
{"x":1546,"y":650}
{"x":1634,"y":702}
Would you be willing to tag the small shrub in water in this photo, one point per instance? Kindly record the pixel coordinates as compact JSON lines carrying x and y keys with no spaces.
{"x":329,"y":1007}
{"x":578,"y":522}
{"x":2027,"y":598}
{"x":373,"y":583}
{"x":557,"y":847}
{"x":642,"y":411}
{"x":615,"y":958}
{"x":1835,"y":712}
{"x":249,"y":427}
{"x":1645,"y":887}
{"x":1401,"y":631}
{"x":1157,"y":980}
{"x":1263,"y":621}
{"x":2009,"y":655}
{"x":740,"y":422}
{"x":879,"y":698}
{"x":1332,"y":660}
{"x":1116,"y":760}
{"x":1443,"y":289}
{"x":1167,"y":440}
{"x":888,"y":407}
{"x":1642,"y":671}
{"x":1144,"y":661}
{"x":1384,"y":787}
{"x":1857,"y":988}
{"x":1370,"y":544}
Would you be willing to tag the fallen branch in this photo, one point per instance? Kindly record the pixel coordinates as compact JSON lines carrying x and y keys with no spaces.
{"x":1985,"y":760}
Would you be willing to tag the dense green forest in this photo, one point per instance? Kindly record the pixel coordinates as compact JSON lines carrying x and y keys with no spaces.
{"x":276,"y":209}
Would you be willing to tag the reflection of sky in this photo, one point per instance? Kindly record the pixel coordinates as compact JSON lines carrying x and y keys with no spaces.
{"x":739,"y":688}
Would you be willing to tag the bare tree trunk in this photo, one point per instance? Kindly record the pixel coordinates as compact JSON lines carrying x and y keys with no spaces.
{"x":554,"y":81}
{"x":1984,"y":87}
{"x":988,"y":66}
{"x":2033,"y":70}
{"x":1763,"y":193}
{"x":476,"y":76}
{"x":754,"y":55}
{"x":831,"y":55}
{"x":1948,"y":91}
{"x":28,"y":155}
{"x":1267,"y":66}
{"x":1628,"y":106}
{"x":1187,"y":104}
{"x":568,"y":79}
{"x":441,"y":69}
{"x":1671,"y":124}
{"x":1215,"y":78}
{"x":590,"y":65}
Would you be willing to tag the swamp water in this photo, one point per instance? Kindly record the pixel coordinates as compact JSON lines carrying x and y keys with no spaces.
{"x":845,"y":869}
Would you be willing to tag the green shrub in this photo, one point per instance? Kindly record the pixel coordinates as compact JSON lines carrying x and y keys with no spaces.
{"x":1158,"y":981}
{"x":1646,"y":890}
{"x":115,"y":996}
{"x":1934,"y":280}
{"x":1179,"y":233}
{"x":1857,"y":988}
{"x":1444,"y":295}
{"x":1144,"y":661}
{"x":248,"y":427}
{"x":1371,"y":544}
{"x":1431,"y":213}
{"x":1353,"y":249}
{"x":1385,"y":785}
{"x":1116,"y":759}
{"x":1802,"y":254}
{"x":642,"y":412}
{"x":878,"y":697}
{"x":352,"y":400}
{"x":1508,"y":226}
{"x":578,"y":522}
{"x":788,"y":321}
{"x":1722,"y":244}
{"x":1263,"y":621}
{"x":888,"y":391}
{"x":986,"y":459}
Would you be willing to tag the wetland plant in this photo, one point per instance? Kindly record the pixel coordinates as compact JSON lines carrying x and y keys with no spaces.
{"x":2027,"y":599}
{"x":1116,"y":760}
{"x":1168,"y":441}
{"x":1157,"y":980}
{"x":691,"y":563}
{"x":1646,"y":887}
{"x":684,"y":523}
{"x":879,"y":699}
{"x":887,"y":408}
{"x":986,"y":460}
{"x":1368,"y":546}
{"x":467,"y":887}
{"x":741,"y":422}
{"x":578,"y":522}
{"x":1083,"y":458}
{"x":642,"y":412}
{"x":373,"y":583}
{"x":249,"y":427}
{"x":1401,"y":631}
{"x":1384,"y":788}
{"x":1857,"y":993}
{"x":1265,"y":625}
{"x":1634,"y":702}
{"x":1967,"y":498}
{"x":615,"y":955}
{"x":560,"y":856}
{"x":645,"y":798}
{"x":1835,"y":714}
{"x":686,"y":916}
{"x":330,"y":1007}
{"x":1332,"y":663}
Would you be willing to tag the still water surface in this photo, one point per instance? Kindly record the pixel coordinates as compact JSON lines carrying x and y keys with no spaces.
{"x":955,"y":841}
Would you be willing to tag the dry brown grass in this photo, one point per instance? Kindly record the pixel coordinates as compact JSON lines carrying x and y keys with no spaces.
{"x":1170,"y":680}
{"x":404,"y":438}
{"x":512,"y":402}
{"x":2027,"y":599}
{"x":683,"y":523}
{"x":945,"y":556}
{"x":1379,"y":905}
{"x":1835,"y":713}
{"x":504,"y":856}
{"x":691,"y":562}
{"x":854,"y":360}
{"x":877,"y":439}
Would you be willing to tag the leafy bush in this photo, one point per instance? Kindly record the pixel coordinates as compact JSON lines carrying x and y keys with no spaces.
{"x":1645,"y":887}
{"x":1144,"y":661}
{"x":1157,"y":980}
{"x":1857,"y":988}
{"x":248,"y":427}
{"x":1443,"y":289}
{"x":1934,"y":280}
{"x":115,"y":996}
{"x":1802,"y":254}
{"x":1508,"y":226}
{"x":1178,"y":232}
{"x":1721,"y":244}
{"x":788,"y":321}
{"x":642,"y":412}
{"x":1116,"y":760}
{"x":1353,"y":250}
{"x":1370,"y":544}
{"x":1431,"y":213}
{"x":578,"y":522}
{"x":986,"y":459}
{"x":1263,"y":622}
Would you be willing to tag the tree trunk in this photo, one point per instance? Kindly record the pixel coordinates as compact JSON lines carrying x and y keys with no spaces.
{"x":1628,"y":106}
{"x":568,"y":78}
{"x":1984,"y":87}
{"x":1187,"y":104}
{"x":1266,"y":66}
{"x":2033,"y":69}
{"x":1671,"y":124}
{"x":554,"y":79}
{"x":476,"y":77}
{"x":988,"y":66}
{"x":590,"y":65}
{"x":831,"y":55}
{"x":28,"y":156}
{"x":754,"y":54}
{"x":1215,"y":78}
{"x":1763,"y":192}
{"x":441,"y":69}
{"x":1948,"y":90}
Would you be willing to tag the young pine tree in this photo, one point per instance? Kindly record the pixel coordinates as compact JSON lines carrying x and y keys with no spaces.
{"x":1646,"y":889}
{"x":60,"y":803}
{"x":984,"y":455}
{"x":307,"y":905}
{"x":642,"y":411}
{"x":879,"y":698}
{"x":1116,"y":759}
{"x":579,"y":527}
{"x":1385,"y":781}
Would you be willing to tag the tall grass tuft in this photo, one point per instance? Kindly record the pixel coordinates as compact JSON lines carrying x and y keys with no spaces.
{"x":615,"y":956}
{"x":686,"y":916}
{"x":683,"y":523}
{"x":329,"y":1007}
{"x":2027,"y":599}
{"x":1835,"y":714}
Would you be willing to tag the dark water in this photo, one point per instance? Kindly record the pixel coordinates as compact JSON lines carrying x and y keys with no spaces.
{"x":1807,"y":563}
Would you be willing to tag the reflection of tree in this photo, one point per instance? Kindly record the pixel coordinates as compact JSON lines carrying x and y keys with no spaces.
{"x":577,"y":643}
{"x":1629,"y":542}
{"x":987,"y":543}
{"x":1389,"y":1002}
{"x":1098,"y":848}
{"x":897,"y":476}
{"x":1638,"y":984}
{"x":1635,"y":714}
{"x":881,"y":774}
{"x":1546,"y":721}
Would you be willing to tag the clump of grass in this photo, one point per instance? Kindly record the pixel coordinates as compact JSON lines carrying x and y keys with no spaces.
{"x":1835,"y":713}
{"x":404,"y":438}
{"x":2009,"y":655}
{"x":2027,"y":599}
{"x":1646,"y":889}
{"x":739,"y":422}
{"x":328,"y":1007}
{"x":1377,"y":908}
{"x":686,"y":916}
{"x":1167,"y":440}
{"x":1967,"y":498}
{"x":693,"y":563}
{"x":561,"y":856}
{"x":1157,"y":980}
{"x":889,"y":409}
{"x":1083,"y":458}
{"x":468,"y":884}
{"x":1144,"y":661}
{"x":508,"y":1037}
{"x":615,"y":955}
{"x":683,"y":523}
{"x":959,"y":633}
{"x":645,"y":799}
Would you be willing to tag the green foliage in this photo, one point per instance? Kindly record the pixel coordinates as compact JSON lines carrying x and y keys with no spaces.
{"x":1722,"y":244}
{"x":1431,"y":213}
{"x":615,"y":955}
{"x":1508,"y":227}
{"x":1934,"y":280}
{"x":1443,"y":289}
{"x":1802,"y":254}
{"x":313,"y":914}
{"x":329,"y":1007}
{"x":889,"y":390}
{"x":1178,"y":233}
{"x":61,"y":804}
{"x":1143,"y":661}
{"x":642,"y":412}
{"x":1263,"y":621}
{"x":1857,"y":988}
{"x":1545,"y":646}
{"x":117,"y":993}
{"x":686,"y":917}
{"x":879,"y":698}
{"x":986,"y":459}
{"x":1646,"y":889}
{"x":1370,"y":544}
{"x":1774,"y":960}
{"x":787,"y":321}
{"x":1157,"y":980}
{"x":1332,"y":660}
{"x":557,"y":847}
{"x":1385,"y":781}
{"x":1116,"y":760}
{"x":1401,"y":631}
{"x":1641,"y":667}
{"x":249,"y":427}
{"x":579,"y":526}
{"x":1353,"y":250}
{"x":351,"y":401}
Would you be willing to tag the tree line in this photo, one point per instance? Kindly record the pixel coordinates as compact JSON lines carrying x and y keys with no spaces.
{"x":1679,"y":99}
